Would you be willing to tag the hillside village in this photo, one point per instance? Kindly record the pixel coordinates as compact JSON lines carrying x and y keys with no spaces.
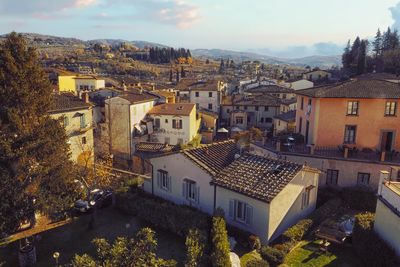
{"x":294,"y":161}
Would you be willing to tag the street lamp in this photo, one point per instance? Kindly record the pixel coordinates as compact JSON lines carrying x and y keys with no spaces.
{"x":56,"y":255}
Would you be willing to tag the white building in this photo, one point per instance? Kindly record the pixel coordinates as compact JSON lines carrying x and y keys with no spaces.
{"x":174,"y":123}
{"x":387,"y":216}
{"x":260,"y":195}
{"x":317,"y":75}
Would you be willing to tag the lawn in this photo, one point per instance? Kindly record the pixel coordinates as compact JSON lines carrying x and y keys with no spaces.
{"x":307,"y":253}
{"x":75,"y":237}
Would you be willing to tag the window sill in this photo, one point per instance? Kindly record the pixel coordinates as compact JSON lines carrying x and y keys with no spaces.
{"x":390,"y":116}
{"x":352,"y":115}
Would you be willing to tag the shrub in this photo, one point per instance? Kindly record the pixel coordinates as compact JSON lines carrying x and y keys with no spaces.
{"x":257,"y":263}
{"x":220,"y":244}
{"x":272,"y":255}
{"x":369,"y":246}
{"x":241,"y":236}
{"x":163,"y":214}
{"x":296,"y":233}
{"x":194,"y":247}
{"x":254,"y":242}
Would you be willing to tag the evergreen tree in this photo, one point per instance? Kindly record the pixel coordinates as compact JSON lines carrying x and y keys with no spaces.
{"x":377,"y":44}
{"x":386,"y":39}
{"x":347,"y":57}
{"x":183,"y":73}
{"x":34,"y":153}
{"x":170,"y":75}
{"x":221,"y":66}
{"x":194,"y":248}
{"x":362,"y":57}
{"x":177,"y":76}
{"x":220,"y":244}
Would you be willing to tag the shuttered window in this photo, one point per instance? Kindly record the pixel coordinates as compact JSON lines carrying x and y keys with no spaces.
{"x":191,"y":191}
{"x":164,"y":180}
{"x":240,"y":211}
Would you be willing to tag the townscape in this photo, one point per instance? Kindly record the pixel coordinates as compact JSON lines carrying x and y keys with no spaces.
{"x":117,"y":153}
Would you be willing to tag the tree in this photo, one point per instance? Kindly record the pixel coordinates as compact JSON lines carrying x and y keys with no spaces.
{"x":346,"y":57}
{"x":135,"y":252}
{"x":220,"y":244}
{"x":177,"y":76}
{"x":195,"y":247}
{"x":34,"y":153}
{"x":362,"y":57}
{"x":170,"y":75}
{"x":377,"y":43}
{"x":183,"y":73}
{"x":221,"y":66}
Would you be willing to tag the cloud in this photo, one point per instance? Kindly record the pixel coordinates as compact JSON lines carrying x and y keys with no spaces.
{"x":180,"y":14}
{"x":396,"y":16}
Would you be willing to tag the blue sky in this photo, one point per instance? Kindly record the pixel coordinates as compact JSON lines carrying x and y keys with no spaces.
{"x":270,"y":26}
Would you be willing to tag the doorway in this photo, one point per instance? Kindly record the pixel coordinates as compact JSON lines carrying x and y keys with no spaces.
{"x":387,"y":141}
{"x":307,"y":132}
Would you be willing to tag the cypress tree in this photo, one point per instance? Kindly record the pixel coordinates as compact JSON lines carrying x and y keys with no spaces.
{"x":220,"y":244}
{"x":377,"y":44}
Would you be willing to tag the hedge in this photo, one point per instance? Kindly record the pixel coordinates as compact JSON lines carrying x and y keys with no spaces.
{"x":372,"y":250}
{"x":220,"y":256}
{"x":273,"y":255}
{"x":166,"y":215}
{"x":257,"y":263}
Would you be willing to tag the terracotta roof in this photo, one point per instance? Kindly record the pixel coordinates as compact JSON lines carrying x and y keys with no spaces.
{"x":197,"y":85}
{"x":289,"y":116}
{"x":208,"y":112}
{"x":173,"y":109}
{"x":263,"y":100}
{"x":138,"y":96}
{"x":257,"y":177}
{"x":66,"y":102}
{"x":270,"y":89}
{"x":154,"y":147}
{"x":213,"y":157}
{"x":357,"y":88}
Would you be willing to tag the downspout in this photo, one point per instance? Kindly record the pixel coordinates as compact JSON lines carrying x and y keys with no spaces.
{"x":215,"y":197}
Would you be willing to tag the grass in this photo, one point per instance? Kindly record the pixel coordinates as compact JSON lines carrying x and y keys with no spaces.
{"x":75,"y":238}
{"x":307,"y":254}
{"x":248,"y":257}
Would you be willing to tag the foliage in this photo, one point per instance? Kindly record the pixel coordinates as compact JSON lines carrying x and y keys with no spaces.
{"x":220,"y":244}
{"x":254,"y":242}
{"x":256,"y":133}
{"x":195,"y":241}
{"x":250,"y":256}
{"x":272,"y":255}
{"x":34,"y":153}
{"x":368,"y":245}
{"x":163,"y":214}
{"x":359,"y":198}
{"x":167,"y":55}
{"x":138,"y":251}
{"x":257,"y":263}
{"x":296,"y":233}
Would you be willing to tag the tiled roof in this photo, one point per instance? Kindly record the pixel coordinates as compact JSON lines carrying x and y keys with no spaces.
{"x":153,"y":147}
{"x":214,"y":157}
{"x":289,"y":116}
{"x":357,"y":88}
{"x":138,"y":96}
{"x":270,"y":89}
{"x":257,"y":177}
{"x":65,"y":102}
{"x":183,"y":109}
{"x":263,"y":100}
{"x":197,"y":85}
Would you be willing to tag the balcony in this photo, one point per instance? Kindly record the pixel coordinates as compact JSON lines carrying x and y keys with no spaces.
{"x":338,"y":152}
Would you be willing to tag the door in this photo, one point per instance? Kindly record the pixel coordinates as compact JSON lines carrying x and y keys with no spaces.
{"x":387,"y":141}
{"x":307,"y":132}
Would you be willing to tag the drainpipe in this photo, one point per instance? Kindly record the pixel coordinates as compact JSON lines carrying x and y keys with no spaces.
{"x":215,"y":197}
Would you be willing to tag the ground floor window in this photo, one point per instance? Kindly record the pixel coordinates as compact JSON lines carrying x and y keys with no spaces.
{"x":363,"y":178}
{"x":240,"y":211}
{"x":332,"y":177}
{"x":306,"y":197}
{"x":163,"y":180}
{"x":190,"y":190}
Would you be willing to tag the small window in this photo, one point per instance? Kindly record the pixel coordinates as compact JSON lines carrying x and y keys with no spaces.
{"x":166,"y":120}
{"x":300,"y":124}
{"x":240,"y":212}
{"x":190,"y":191}
{"x":350,"y":134}
{"x":239,"y":120}
{"x":210,"y":94}
{"x":245,"y":107}
{"x":83,"y":121}
{"x":390,"y":109}
{"x":363,"y":178}
{"x":332,"y":177}
{"x":177,"y":124}
{"x":262,"y":120}
{"x":302,"y":103}
{"x":228,"y":110}
{"x":163,"y":180}
{"x":306,"y":197}
{"x":196,"y":94}
{"x":84,"y":140}
{"x":284,"y":96}
{"x":352,"y":108}
{"x":210,"y":106}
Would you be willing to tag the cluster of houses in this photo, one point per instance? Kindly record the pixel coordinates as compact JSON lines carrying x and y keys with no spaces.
{"x":337,"y":135}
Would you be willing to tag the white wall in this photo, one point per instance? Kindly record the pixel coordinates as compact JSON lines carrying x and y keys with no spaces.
{"x":204,"y":99}
{"x":93,"y":84}
{"x":180,"y":167}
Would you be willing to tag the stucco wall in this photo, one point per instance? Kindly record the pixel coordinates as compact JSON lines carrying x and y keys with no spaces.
{"x":203,"y":99}
{"x":387,"y":225}
{"x":66,"y":84}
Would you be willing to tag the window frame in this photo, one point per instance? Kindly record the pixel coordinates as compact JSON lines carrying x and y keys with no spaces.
{"x":210,"y":94}
{"x":353,"y":108}
{"x":346,"y":139}
{"x":361,"y":178}
{"x":241,"y":119}
{"x":164,"y":182}
{"x":197,"y":94}
{"x":330,"y":177}
{"x":177,"y":124}
{"x":390,"y":111}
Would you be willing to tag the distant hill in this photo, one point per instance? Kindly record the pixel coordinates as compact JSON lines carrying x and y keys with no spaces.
{"x":116,"y":42}
{"x":313,"y":61}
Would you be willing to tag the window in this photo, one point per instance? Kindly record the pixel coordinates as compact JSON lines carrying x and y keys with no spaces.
{"x":352,"y":108}
{"x":163,"y":180}
{"x":332,"y":177}
{"x":240,"y":211}
{"x":83,"y":121}
{"x":84,"y":140}
{"x":66,"y":121}
{"x":209,"y":94}
{"x":190,"y":191}
{"x":256,"y":108}
{"x":178,"y":93}
{"x":166,"y":120}
{"x":363,"y":178}
{"x":305,"y":201}
{"x":350,"y":134}
{"x":309,"y":101}
{"x":262,"y":120}
{"x":239,"y":120}
{"x":196,"y":94}
{"x":268,"y":120}
{"x":300,"y":124}
{"x":210,"y":106}
{"x":177,"y":124}
{"x":266,"y":108}
{"x":390,"y":109}
{"x":284,"y":96}
{"x":302,"y":103}
{"x":157,"y":123}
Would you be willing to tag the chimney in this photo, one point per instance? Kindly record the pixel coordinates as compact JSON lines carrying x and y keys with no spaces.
{"x":85,"y":97}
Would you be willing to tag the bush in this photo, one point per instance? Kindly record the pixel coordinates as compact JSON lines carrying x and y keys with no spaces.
{"x":296,"y":233}
{"x":195,"y":243}
{"x":257,"y":263}
{"x":220,"y":244}
{"x":272,"y":255}
{"x":369,"y":246}
{"x":163,"y":214}
{"x":254,"y":242}
{"x":241,"y":236}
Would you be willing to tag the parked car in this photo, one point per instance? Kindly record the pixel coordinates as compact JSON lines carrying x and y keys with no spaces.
{"x":82,"y":206}
{"x":101,"y":198}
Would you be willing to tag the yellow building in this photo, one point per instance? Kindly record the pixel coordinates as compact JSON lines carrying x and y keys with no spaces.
{"x":77,"y":83}
{"x":77,"y":120}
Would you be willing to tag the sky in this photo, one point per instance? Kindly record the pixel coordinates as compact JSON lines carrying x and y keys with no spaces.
{"x":276,"y":27}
